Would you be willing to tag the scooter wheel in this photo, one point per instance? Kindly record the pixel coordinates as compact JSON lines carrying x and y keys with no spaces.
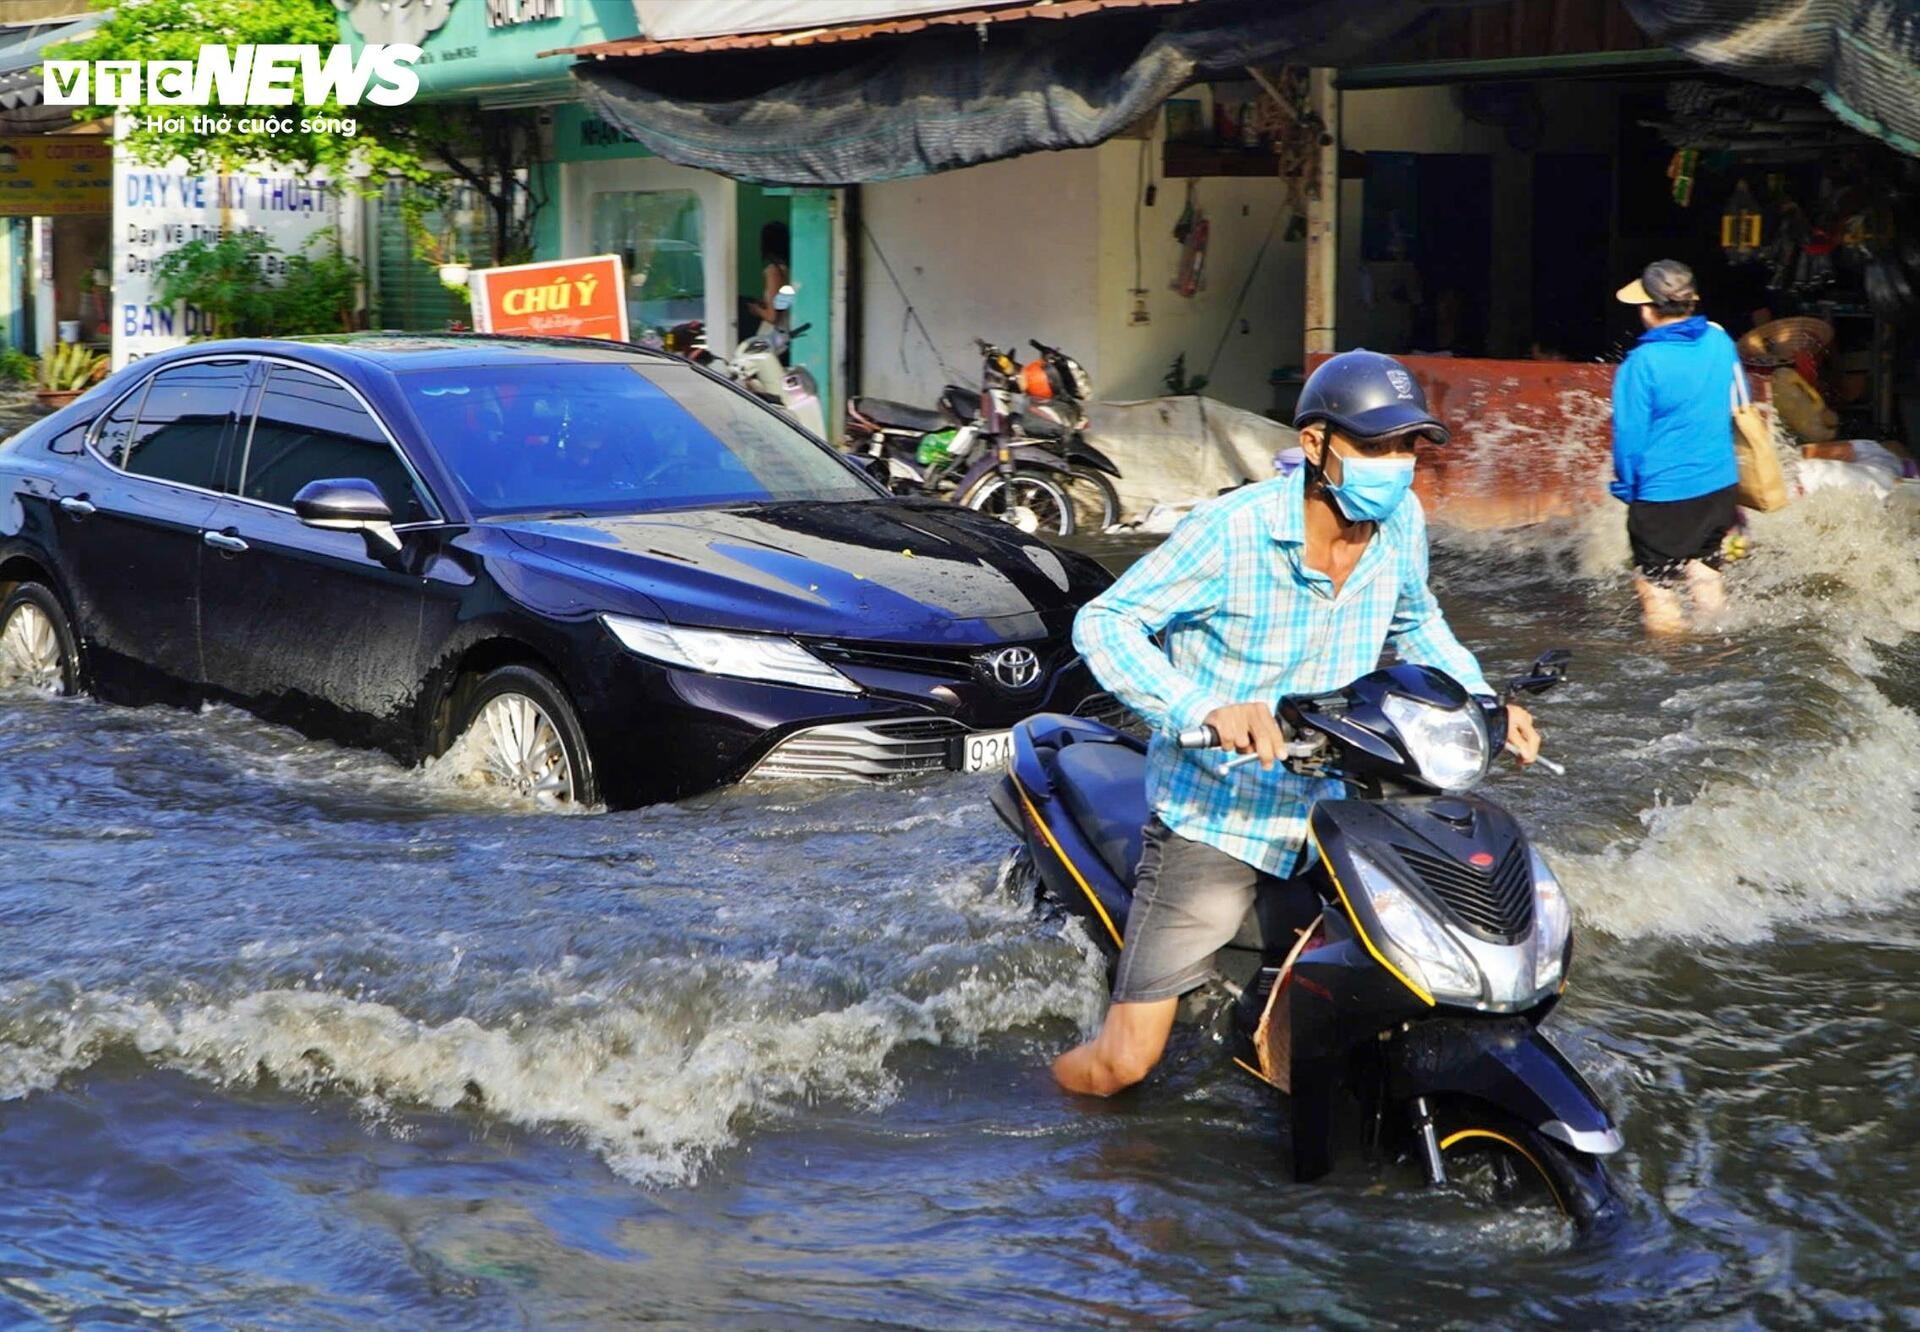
{"x":1494,"y":1158}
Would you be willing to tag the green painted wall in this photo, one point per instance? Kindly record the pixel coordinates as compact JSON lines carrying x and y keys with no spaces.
{"x":581,"y":136}
{"x":464,"y":56}
{"x":812,"y":227}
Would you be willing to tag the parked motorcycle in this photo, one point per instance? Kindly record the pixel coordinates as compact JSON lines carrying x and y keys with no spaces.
{"x":1057,"y":391}
{"x":968,"y":452}
{"x":759,"y":365}
{"x":1415,"y":992}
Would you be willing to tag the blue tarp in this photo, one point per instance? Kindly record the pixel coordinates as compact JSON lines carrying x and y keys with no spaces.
{"x":1861,"y":56}
{"x":886,"y":107}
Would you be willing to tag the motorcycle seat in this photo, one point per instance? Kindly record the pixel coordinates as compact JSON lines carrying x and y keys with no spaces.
{"x":1034,"y":426}
{"x":1104,"y":787}
{"x":900,"y":415}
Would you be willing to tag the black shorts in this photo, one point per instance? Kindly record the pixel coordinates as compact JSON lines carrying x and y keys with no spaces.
{"x":1665,"y":534}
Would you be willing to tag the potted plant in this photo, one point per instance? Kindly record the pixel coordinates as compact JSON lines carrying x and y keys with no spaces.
{"x":64,"y":373}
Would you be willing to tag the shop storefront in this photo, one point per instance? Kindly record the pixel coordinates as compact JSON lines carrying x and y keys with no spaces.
{"x":56,"y":201}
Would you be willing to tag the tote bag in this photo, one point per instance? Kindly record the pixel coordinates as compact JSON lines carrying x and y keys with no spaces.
{"x":1762,"y":484}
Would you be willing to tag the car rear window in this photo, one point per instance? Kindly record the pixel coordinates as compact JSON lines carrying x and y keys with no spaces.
{"x":616,"y":437}
{"x":184,"y":417}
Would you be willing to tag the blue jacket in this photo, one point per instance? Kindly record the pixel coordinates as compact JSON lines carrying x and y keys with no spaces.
{"x":1673,"y":414}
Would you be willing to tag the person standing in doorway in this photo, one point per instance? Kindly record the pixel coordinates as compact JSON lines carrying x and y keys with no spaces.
{"x":774,"y":274}
{"x":1673,"y":459}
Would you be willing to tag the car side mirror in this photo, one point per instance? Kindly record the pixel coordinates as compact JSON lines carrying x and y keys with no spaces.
{"x":347,"y":504}
{"x":1548,"y":670}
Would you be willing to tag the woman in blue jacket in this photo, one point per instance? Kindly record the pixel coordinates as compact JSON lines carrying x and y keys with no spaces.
{"x":1673,"y":460}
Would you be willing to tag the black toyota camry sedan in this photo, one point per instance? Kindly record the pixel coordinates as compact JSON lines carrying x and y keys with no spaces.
{"x":606,"y":573}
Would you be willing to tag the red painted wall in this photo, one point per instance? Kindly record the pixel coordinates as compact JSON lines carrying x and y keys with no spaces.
{"x":1532,"y":440}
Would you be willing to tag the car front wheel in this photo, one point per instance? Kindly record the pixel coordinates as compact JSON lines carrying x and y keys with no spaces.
{"x":519,"y":734}
{"x":36,"y":642}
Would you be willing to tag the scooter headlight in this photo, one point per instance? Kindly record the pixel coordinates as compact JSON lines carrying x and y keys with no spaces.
{"x":1450,"y":745}
{"x":1419,"y":939}
{"x":1552,"y":923}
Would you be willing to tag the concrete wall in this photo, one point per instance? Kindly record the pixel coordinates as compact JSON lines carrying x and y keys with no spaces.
{"x":1266,"y":333}
{"x":1043,"y":247}
{"x":1002,"y":251}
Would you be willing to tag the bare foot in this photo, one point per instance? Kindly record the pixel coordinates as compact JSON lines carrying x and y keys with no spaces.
{"x":1707,"y":588}
{"x":1660,"y":609}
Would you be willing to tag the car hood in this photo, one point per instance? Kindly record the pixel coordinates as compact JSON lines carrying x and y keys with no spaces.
{"x":880,"y":570}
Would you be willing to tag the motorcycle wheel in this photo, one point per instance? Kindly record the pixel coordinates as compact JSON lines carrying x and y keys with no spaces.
{"x":1029,"y":500}
{"x":1096,"y":505}
{"x":1493,"y":1158}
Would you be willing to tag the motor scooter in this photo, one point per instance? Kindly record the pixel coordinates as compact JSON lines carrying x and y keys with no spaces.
{"x":1405,"y":1003}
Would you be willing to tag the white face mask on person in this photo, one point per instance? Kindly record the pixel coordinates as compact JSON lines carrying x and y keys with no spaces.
{"x":1371,"y":489}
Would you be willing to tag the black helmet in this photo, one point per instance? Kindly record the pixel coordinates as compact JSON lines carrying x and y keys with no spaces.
{"x":1366,"y":394}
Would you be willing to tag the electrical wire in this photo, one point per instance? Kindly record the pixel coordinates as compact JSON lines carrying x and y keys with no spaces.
{"x":912,"y":315}
{"x":1239,"y":302}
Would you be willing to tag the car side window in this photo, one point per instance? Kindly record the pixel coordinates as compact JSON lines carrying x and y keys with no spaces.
{"x":183,"y":418}
{"x":116,"y":431}
{"x":310,"y":428}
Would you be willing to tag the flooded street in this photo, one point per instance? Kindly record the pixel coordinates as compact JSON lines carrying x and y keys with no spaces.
{"x":293,"y":1036}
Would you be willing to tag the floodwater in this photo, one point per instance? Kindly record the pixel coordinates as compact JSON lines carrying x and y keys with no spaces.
{"x":292,"y":1037}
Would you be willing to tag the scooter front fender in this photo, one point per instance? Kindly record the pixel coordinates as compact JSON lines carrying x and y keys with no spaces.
{"x":1509,"y":1064}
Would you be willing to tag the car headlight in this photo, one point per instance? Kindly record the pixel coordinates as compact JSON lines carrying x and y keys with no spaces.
{"x":1552,"y":923}
{"x":743,"y":656}
{"x":1421,"y":941}
{"x":1449,"y":744}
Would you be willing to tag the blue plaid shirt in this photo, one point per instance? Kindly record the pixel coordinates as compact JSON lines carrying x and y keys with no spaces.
{"x":1242,"y":618}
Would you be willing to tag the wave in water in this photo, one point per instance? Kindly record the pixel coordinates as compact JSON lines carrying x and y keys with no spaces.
{"x":1787,"y":780}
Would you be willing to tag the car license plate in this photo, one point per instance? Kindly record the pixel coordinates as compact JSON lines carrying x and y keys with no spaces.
{"x":986,"y":751}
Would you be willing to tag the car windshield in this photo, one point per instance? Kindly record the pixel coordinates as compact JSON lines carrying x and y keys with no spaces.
{"x":615,"y":437}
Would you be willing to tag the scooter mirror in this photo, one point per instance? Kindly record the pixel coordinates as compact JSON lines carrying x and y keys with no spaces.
{"x":783,"y":298}
{"x":1548,"y":670}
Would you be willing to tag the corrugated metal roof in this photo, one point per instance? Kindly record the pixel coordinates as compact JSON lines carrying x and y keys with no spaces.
{"x":856,"y":32}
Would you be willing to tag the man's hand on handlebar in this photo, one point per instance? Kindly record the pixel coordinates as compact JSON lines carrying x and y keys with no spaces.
{"x":1523,"y":740}
{"x":1251,"y":728}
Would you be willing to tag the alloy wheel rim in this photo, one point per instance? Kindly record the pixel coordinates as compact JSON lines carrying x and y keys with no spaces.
{"x":30,"y":650}
{"x":521,"y":750}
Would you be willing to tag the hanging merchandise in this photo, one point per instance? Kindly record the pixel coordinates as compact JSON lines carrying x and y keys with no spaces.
{"x":1184,"y":223}
{"x":1193,"y":258}
{"x":1681,"y":172}
{"x":1740,"y":226}
{"x":1791,"y":232}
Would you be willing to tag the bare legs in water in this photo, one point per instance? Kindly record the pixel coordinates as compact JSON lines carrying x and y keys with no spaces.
{"x":1661,"y":609}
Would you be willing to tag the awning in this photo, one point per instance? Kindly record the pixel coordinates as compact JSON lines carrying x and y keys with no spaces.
{"x":1861,"y":56}
{"x":22,"y":49}
{"x":931,"y":92}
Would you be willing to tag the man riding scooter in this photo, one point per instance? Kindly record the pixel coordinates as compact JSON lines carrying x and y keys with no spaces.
{"x":1291,"y":586}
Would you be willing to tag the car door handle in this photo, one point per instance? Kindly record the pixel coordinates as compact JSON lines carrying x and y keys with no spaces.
{"x":77,"y":505}
{"x":223,"y":541}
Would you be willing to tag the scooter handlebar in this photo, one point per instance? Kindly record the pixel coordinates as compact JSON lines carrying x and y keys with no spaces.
{"x":1200,"y":737}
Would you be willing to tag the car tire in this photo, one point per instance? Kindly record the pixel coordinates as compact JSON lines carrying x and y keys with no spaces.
{"x":519,"y":729}
{"x":37,"y":648}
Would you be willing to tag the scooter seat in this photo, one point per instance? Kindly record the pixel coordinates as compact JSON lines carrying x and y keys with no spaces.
{"x":1104,"y":788}
{"x":900,"y":415}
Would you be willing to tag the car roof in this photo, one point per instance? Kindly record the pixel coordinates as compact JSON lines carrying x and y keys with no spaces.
{"x":398,"y":352}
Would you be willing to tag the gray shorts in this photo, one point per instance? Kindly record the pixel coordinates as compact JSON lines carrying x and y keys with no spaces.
{"x":1189,"y":902}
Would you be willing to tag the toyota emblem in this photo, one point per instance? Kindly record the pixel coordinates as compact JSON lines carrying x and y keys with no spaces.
{"x":1013,"y":668}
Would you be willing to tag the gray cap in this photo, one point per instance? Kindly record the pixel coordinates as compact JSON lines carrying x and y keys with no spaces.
{"x":1663,"y":281}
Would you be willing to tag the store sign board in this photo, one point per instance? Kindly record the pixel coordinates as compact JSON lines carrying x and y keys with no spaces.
{"x":159,"y":209}
{"x":571,"y":298}
{"x":55,"y":176}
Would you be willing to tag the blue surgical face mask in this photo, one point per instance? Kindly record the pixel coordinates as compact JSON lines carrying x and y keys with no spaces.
{"x":1372,"y":488}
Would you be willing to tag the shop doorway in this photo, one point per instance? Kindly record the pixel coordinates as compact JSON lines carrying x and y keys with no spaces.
{"x":1573,"y":277}
{"x":764,"y":240}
